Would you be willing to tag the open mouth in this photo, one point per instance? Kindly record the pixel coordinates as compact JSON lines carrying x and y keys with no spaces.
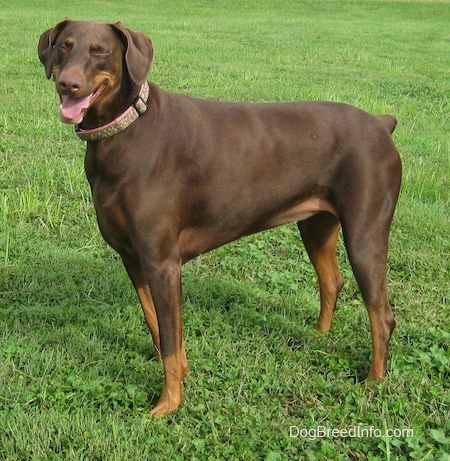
{"x":74,"y":109}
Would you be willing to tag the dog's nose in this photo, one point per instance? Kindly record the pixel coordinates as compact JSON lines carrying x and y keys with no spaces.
{"x":69,"y":83}
{"x":68,"y":87}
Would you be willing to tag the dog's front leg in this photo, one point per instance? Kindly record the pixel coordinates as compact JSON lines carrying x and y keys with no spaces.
{"x":140,"y":282}
{"x":165,"y":285}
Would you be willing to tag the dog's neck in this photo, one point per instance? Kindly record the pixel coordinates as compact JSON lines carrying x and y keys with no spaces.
{"x":122,"y":121}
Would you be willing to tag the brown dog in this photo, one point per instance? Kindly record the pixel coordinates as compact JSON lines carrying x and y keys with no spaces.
{"x":173,"y":177}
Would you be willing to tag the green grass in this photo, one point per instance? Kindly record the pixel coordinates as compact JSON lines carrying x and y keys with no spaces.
{"x":77,"y":369}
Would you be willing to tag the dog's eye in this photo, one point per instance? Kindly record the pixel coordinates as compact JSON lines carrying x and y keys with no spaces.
{"x":65,"y":47}
{"x":97,"y":50}
{"x":62,"y":47}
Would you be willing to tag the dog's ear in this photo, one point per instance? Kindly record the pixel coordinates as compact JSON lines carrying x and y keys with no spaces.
{"x":138,"y":52}
{"x":46,"y":44}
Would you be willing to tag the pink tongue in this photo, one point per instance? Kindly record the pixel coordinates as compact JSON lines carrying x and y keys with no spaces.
{"x":72,"y":109}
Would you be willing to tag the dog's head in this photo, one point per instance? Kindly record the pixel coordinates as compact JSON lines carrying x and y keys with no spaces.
{"x":91,"y":61}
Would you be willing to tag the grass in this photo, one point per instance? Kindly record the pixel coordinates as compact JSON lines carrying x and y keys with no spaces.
{"x":78,"y":373}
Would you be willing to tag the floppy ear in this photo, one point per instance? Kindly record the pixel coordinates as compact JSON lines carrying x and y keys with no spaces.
{"x":46,"y":44}
{"x":138,"y":52}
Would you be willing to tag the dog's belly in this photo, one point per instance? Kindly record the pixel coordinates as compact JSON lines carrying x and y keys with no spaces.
{"x":197,"y":240}
{"x":301,"y":211}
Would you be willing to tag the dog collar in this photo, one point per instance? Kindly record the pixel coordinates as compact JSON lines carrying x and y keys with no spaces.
{"x":123,"y":121}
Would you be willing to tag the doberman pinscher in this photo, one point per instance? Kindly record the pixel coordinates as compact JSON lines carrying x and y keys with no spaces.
{"x":174,"y":176}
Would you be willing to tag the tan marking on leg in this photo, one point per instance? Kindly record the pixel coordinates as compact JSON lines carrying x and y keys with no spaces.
{"x":172,"y":393}
{"x":148,"y":307}
{"x":382,"y":325}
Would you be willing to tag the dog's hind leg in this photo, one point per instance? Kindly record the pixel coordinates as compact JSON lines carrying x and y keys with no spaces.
{"x":320,"y":233}
{"x":367,"y":251}
{"x":366,"y":220}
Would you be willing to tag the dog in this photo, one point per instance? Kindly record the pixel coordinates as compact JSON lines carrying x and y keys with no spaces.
{"x":173,"y":177}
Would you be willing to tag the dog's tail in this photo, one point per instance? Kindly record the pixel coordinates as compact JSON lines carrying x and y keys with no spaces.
{"x":388,"y":121}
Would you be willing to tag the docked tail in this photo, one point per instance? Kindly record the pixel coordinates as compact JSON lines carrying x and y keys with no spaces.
{"x":388,"y":121}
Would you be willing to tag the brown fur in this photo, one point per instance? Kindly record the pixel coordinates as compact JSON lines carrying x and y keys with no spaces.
{"x":190,"y":175}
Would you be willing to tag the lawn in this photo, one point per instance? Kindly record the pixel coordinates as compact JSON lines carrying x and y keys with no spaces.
{"x":78,"y":373}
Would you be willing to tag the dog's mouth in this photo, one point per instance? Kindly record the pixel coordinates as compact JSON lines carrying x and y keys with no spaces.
{"x":73,"y":109}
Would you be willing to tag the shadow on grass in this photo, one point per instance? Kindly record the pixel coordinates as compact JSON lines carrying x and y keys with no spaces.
{"x":83,"y":304}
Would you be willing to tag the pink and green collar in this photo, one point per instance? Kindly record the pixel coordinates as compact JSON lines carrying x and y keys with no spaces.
{"x":123,"y":121}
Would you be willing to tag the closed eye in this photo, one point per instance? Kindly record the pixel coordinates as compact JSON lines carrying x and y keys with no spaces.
{"x":97,"y":50}
{"x":101,"y":54}
{"x":65,"y":46}
{"x":63,"y":49}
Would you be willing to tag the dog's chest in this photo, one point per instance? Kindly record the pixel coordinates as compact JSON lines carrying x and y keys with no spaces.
{"x":110,"y":203}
